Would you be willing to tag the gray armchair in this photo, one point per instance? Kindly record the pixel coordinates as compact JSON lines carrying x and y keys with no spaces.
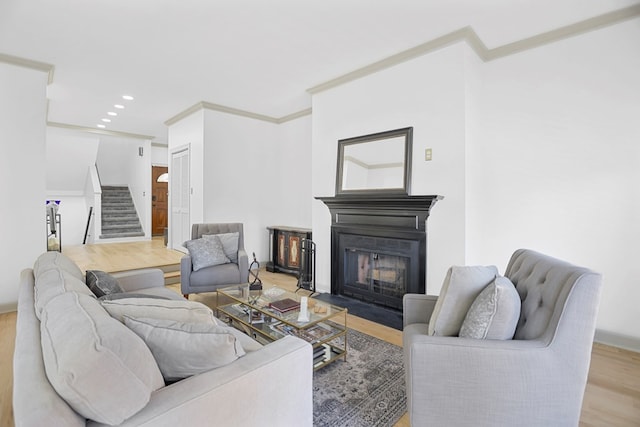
{"x":536,"y":379}
{"x":209,"y":279}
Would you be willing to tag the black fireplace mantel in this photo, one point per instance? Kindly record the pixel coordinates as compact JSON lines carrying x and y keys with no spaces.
{"x":378,"y":223}
{"x":401,"y":211}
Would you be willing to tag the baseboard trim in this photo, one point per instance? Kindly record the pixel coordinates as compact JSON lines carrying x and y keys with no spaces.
{"x":617,"y":340}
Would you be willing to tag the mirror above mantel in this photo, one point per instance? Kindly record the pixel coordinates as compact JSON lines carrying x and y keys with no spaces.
{"x":378,"y":163}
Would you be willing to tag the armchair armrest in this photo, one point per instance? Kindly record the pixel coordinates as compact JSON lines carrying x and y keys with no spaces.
{"x":134,"y":280}
{"x":186,"y":267}
{"x":243,"y":265}
{"x":417,"y":308}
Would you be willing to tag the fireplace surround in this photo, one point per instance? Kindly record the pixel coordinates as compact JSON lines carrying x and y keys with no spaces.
{"x":378,"y":246}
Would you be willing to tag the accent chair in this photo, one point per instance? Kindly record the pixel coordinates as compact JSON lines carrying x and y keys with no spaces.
{"x":538,"y":378}
{"x":196,"y":278}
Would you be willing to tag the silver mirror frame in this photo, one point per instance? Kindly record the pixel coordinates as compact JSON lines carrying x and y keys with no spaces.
{"x":407,"y":133}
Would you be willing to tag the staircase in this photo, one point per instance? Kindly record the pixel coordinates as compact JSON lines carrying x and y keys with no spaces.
{"x":119,"y":216}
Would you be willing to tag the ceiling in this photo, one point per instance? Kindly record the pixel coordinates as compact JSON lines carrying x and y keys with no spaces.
{"x":254,"y":55}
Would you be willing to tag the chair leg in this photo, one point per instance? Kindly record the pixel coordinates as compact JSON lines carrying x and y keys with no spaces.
{"x":186,"y":296}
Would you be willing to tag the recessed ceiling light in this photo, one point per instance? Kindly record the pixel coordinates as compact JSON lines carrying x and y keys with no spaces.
{"x":101,"y":126}
{"x":111,"y":113}
{"x":106,"y":120}
{"x":127,"y":97}
{"x":119,"y":106}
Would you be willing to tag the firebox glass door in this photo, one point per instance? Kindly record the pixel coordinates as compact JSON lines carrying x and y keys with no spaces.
{"x":375,"y":276}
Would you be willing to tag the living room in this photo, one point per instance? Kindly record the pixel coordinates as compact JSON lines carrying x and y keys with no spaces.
{"x":533,"y":146}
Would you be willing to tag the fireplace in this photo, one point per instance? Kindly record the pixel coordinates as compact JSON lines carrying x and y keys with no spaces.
{"x":378,"y":246}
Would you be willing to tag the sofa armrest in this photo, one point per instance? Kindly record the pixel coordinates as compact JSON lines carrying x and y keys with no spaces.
{"x":270,"y":386}
{"x":417,"y":308}
{"x":134,"y":280}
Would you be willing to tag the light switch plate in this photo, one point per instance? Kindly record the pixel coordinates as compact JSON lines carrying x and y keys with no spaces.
{"x":427,"y":154}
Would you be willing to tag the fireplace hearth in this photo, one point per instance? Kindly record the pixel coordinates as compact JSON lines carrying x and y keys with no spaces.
{"x":378,"y":246}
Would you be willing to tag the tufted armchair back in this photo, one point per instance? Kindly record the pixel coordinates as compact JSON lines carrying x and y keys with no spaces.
{"x":198,"y":230}
{"x":544,"y":285}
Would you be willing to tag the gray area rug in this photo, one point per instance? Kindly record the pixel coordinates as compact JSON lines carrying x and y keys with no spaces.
{"x":367,"y":390}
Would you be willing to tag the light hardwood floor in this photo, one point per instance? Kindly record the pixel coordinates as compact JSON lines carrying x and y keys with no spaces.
{"x":612,"y":397}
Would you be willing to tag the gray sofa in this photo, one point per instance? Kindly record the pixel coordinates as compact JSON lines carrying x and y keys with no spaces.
{"x":538,"y":378}
{"x":249,"y":391}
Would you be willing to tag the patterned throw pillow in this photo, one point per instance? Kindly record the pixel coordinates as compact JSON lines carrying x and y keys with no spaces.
{"x":495,"y":312}
{"x":206,"y":252}
{"x":102,"y":283}
{"x":229,"y":243}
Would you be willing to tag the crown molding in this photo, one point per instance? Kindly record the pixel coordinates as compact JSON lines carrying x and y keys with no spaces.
{"x":468,"y":35}
{"x":29,"y":63}
{"x":203,"y":105}
{"x":100,"y":131}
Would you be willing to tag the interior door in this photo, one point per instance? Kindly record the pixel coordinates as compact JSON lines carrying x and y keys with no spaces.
{"x":180,"y":195}
{"x":159,"y":201}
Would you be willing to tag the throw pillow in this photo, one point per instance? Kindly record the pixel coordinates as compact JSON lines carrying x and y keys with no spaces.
{"x":102,"y":283}
{"x":102,"y":369}
{"x":206,"y":253}
{"x":460,"y":288}
{"x":185,"y":349}
{"x":495,"y":312}
{"x":229,"y":242}
{"x":178,"y":310}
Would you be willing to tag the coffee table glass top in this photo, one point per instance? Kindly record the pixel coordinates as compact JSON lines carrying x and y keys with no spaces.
{"x":317,"y":311}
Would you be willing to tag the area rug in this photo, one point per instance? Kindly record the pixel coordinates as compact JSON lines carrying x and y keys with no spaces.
{"x":365,"y":391}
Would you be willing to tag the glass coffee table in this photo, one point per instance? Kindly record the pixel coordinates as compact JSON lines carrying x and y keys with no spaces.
{"x":273,"y":313}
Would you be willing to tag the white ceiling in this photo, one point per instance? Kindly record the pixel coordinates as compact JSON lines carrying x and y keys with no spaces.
{"x":255,"y":55}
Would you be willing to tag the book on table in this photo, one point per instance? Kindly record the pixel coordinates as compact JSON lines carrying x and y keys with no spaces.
{"x":285,"y":305}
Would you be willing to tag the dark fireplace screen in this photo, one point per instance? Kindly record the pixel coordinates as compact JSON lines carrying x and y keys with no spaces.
{"x":378,"y":269}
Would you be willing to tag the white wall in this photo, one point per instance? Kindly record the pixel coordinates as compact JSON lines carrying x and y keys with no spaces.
{"x":555,"y":162}
{"x":22,"y":173}
{"x":257,"y":173}
{"x":538,"y":149}
{"x":159,"y":155}
{"x":119,"y":164}
{"x":428,"y":94}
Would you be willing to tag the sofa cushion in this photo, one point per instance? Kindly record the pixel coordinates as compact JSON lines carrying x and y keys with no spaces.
{"x":461,"y":286}
{"x":177,"y":310}
{"x":206,"y":252}
{"x":54,"y":259}
{"x":495,"y":312}
{"x":102,"y":283}
{"x":53,"y":282}
{"x":185,"y":349}
{"x":229,"y":244}
{"x":102,"y":369}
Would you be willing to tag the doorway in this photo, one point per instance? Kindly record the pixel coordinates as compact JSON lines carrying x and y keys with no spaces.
{"x":159,"y":201}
